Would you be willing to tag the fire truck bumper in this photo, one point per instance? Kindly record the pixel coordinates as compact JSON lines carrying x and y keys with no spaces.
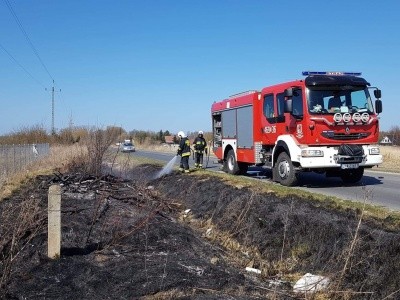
{"x":327,"y":157}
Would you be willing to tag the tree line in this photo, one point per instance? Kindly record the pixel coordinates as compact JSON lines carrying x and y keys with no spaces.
{"x":37,"y":134}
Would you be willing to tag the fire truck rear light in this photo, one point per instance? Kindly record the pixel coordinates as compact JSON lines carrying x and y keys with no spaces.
{"x":312,"y":153}
{"x":374,"y":151}
{"x":306,"y":73}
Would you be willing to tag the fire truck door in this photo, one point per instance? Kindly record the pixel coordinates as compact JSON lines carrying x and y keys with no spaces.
{"x":298,"y":114}
{"x":272,"y":117}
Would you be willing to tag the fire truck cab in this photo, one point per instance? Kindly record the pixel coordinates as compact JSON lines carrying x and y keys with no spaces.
{"x":325,"y":123}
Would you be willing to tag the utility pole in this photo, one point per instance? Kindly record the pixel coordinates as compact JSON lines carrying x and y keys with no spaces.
{"x":53,"y":131}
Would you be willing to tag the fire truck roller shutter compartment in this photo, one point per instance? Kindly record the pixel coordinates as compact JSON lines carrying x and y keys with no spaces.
{"x":245,"y":127}
{"x":229,"y":124}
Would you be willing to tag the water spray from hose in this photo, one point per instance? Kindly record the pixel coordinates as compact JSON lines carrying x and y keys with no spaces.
{"x":167,"y":168}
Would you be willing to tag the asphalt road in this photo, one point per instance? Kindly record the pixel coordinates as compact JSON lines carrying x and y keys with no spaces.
{"x":376,"y":188}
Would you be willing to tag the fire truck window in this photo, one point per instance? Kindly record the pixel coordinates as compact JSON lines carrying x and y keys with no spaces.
{"x":316,"y":103}
{"x":269,"y":106}
{"x":361,"y":101}
{"x":297,"y":101}
{"x":281,"y":103}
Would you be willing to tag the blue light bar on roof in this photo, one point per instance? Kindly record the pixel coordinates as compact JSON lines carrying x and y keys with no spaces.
{"x":306,"y":73}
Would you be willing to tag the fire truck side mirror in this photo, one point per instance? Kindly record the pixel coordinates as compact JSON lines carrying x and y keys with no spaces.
{"x":288,"y":107}
{"x":289,"y":92}
{"x":378,"y":106}
{"x":377,"y":93}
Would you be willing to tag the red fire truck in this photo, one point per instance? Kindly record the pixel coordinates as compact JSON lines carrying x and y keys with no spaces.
{"x":325,"y":123}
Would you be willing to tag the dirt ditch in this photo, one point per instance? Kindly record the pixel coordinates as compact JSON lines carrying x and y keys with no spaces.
{"x":187,"y":237}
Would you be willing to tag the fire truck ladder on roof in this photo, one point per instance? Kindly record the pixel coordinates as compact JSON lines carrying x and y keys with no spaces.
{"x":243,"y":93}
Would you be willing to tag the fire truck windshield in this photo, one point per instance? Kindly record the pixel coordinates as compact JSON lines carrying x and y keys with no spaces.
{"x":333,"y":99}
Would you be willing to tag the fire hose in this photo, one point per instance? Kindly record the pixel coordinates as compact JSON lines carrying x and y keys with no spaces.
{"x":208,"y":154}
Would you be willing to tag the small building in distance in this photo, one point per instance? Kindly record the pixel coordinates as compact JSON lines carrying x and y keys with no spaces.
{"x":169,"y":139}
{"x":170,"y":142}
{"x":385,"y":141}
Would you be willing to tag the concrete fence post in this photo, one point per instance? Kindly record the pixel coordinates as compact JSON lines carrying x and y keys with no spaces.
{"x":54,"y":222}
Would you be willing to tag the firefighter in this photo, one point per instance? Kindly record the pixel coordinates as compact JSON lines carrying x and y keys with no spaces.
{"x":200,"y":146}
{"x":335,"y":102}
{"x":184,"y":152}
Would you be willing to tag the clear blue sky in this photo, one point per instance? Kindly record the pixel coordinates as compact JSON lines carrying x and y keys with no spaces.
{"x":154,"y":65}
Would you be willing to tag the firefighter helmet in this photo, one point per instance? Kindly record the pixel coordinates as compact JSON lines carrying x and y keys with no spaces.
{"x":200,"y":132}
{"x":181,"y":134}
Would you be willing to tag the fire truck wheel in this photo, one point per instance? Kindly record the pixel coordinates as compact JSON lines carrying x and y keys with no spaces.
{"x":284,"y":170}
{"x":352,"y":175}
{"x":230,"y":164}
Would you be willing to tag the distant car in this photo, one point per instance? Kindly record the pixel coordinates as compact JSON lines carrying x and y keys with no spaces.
{"x":128,"y":147}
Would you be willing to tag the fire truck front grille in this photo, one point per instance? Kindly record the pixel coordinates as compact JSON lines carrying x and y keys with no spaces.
{"x":344,"y":136}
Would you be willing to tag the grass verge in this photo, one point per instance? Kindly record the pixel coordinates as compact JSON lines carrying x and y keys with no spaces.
{"x":59,"y":159}
{"x":389,"y":218}
{"x":391,"y":159}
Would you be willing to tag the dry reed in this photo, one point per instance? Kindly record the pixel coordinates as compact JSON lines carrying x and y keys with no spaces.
{"x":391,"y":159}
{"x":60,"y":159}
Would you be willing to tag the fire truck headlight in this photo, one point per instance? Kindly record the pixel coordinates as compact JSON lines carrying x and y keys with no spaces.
{"x":374,"y":151}
{"x":312,"y":153}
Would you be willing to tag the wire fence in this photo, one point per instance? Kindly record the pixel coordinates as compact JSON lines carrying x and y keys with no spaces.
{"x":15,"y":158}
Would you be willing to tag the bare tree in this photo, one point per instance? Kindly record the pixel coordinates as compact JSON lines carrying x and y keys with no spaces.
{"x":98,"y":142}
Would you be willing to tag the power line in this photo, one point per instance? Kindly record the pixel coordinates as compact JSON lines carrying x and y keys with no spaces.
{"x":27,"y":37}
{"x":21,"y":66}
{"x":39,"y":58}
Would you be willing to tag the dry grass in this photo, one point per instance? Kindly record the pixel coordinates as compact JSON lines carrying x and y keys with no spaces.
{"x":391,"y":159}
{"x":60,"y":158}
{"x":391,"y":219}
{"x":158,"y":148}
{"x":64,"y":156}
{"x":17,"y":235}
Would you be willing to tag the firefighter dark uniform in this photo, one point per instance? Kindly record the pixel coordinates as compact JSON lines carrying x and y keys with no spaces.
{"x":184,"y":152}
{"x":200,"y":146}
